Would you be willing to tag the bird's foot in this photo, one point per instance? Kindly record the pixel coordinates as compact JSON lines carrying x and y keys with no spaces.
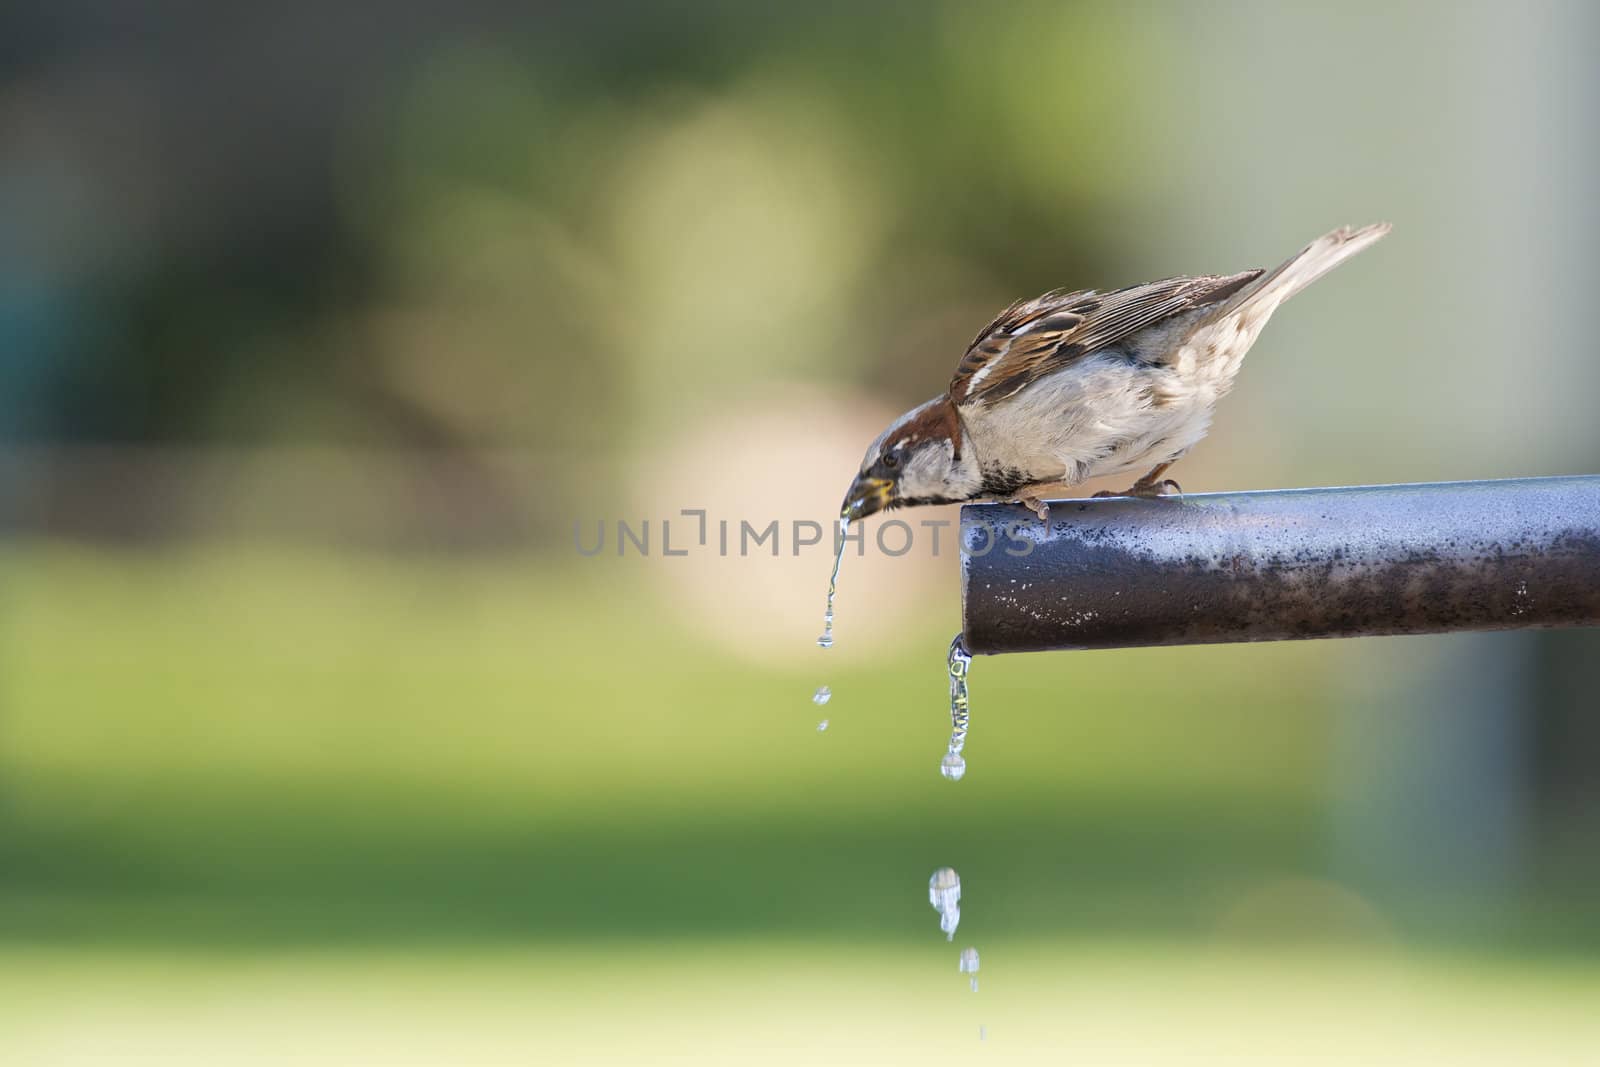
{"x":1165,"y":487}
{"x":1147,"y":490}
{"x":1033,"y":497}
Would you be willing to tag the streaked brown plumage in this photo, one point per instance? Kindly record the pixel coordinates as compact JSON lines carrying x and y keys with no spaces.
{"x":1031,"y":338}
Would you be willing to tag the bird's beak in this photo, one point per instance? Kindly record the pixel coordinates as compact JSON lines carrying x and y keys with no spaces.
{"x":867,"y":496}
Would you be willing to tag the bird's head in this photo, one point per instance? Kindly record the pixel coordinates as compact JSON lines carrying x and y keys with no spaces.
{"x":917,"y":460}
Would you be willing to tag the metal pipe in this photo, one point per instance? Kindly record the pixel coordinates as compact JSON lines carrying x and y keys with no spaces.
{"x":1282,"y":565}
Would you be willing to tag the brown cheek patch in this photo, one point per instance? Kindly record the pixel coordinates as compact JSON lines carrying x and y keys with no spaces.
{"x":939,"y":422}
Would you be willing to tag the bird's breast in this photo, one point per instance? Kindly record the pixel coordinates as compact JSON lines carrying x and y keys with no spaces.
{"x":1102,"y":415}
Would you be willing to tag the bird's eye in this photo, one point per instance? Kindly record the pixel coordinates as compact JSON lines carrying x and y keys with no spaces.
{"x":891,"y":460}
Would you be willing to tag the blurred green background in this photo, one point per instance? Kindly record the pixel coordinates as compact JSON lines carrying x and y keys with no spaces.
{"x":325,"y":328}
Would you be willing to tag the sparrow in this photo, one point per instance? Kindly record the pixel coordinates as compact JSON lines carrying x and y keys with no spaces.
{"x":1070,"y":386}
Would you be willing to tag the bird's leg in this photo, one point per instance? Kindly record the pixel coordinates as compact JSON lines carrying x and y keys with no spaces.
{"x":1152,"y":485}
{"x":1033,"y":498}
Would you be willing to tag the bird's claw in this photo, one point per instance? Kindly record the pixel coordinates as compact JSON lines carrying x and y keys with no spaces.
{"x":1036,"y":504}
{"x":1150,"y":491}
{"x":1165,"y":487}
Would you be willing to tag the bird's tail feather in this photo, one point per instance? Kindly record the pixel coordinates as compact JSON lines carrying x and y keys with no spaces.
{"x":1301,"y":269}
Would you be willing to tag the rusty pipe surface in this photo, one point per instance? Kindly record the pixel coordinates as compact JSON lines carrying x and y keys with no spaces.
{"x":1282,"y":565}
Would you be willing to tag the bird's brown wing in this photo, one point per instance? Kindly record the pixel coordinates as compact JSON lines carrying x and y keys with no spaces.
{"x":1032,"y":338}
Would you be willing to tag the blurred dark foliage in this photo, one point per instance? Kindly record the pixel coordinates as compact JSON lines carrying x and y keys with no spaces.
{"x":177,"y":180}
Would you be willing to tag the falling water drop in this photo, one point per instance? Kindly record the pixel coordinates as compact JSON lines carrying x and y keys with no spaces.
{"x":953,"y":766}
{"x":969,"y":965}
{"x":822,"y":695}
{"x":821,"y":726}
{"x":944,"y":893}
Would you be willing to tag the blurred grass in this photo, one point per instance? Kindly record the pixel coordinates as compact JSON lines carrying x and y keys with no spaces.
{"x":445,"y":811}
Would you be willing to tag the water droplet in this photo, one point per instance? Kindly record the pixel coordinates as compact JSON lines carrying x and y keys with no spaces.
{"x":944,"y":893}
{"x":821,"y":726}
{"x":822,"y":695}
{"x":969,"y":965}
{"x":953,"y":766}
{"x":825,"y":641}
{"x":983,"y":1033}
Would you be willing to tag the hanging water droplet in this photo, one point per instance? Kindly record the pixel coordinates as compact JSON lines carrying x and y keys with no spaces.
{"x":953,"y":766}
{"x":823,"y":693}
{"x":944,"y":893}
{"x":821,"y":726}
{"x":969,"y":965}
{"x":826,"y":640}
